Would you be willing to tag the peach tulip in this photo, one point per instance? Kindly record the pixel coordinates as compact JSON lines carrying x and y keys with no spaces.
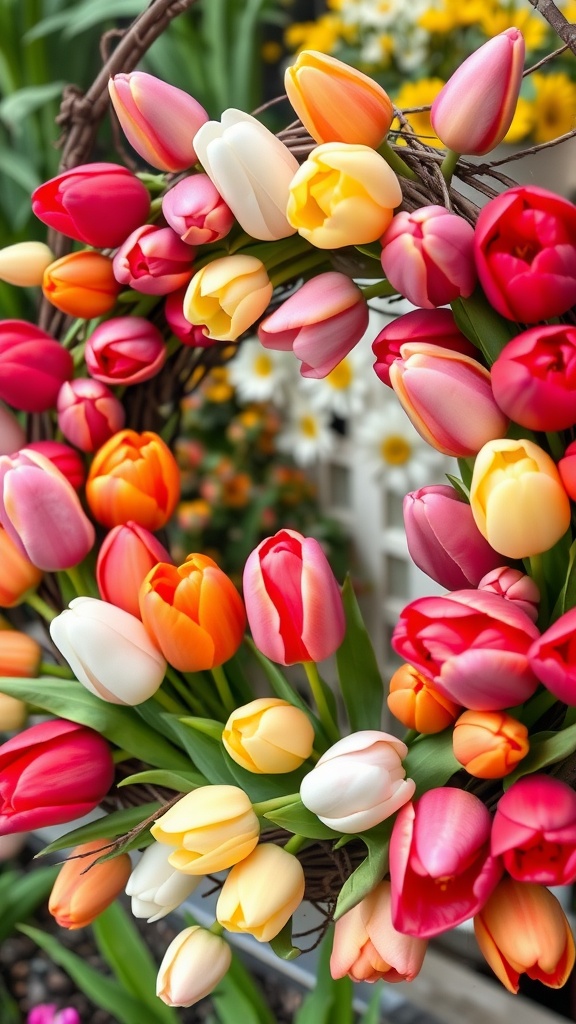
{"x":227,"y":296}
{"x":195,"y":961}
{"x":24,"y":263}
{"x":83,"y":888}
{"x":489,"y":744}
{"x":81,"y":284}
{"x":18,"y":575}
{"x":261,"y":892}
{"x":415,"y":702}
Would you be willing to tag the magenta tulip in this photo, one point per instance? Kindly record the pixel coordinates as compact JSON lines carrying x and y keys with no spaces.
{"x":553,"y":658}
{"x":65,"y":458}
{"x":196,"y":211}
{"x":534,"y":831}
{"x":51,"y":773}
{"x":293,"y":601}
{"x":515,"y":586}
{"x":427,"y":326}
{"x":534,"y":378}
{"x":427,"y":255}
{"x":153,"y":261}
{"x":525,"y":251}
{"x":88,"y":413}
{"x":98,"y":204}
{"x":125,"y":558}
{"x":321,"y":323}
{"x":189,"y":334}
{"x":473,"y":645}
{"x":125,"y":350}
{"x":33,"y":366}
{"x":443,"y":539}
{"x":441,"y":868}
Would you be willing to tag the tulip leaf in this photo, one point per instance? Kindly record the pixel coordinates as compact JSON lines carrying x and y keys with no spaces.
{"x":206,"y":752}
{"x":182,"y":782}
{"x":360,"y":680}
{"x":207,"y":726}
{"x":22,"y":894}
{"x":459,"y":486}
{"x":330,"y":1001}
{"x":567,"y":596}
{"x":430,"y":761}
{"x":282,"y":688}
{"x":372,"y":1015}
{"x":482,"y":325}
{"x":108,"y":827}
{"x":238,"y":998}
{"x":546,"y":748}
{"x":298,"y":819}
{"x":282,"y":945}
{"x":369,"y":872}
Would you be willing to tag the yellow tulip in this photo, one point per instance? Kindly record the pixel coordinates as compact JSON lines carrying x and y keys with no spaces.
{"x":227,"y":296}
{"x":261,"y":893}
{"x":268,"y":736}
{"x":24,"y":263}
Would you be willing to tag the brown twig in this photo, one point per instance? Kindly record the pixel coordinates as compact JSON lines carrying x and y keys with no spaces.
{"x":563,"y":28}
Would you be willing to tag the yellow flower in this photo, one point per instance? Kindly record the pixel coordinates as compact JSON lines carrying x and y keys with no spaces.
{"x":217,"y":387}
{"x":522,"y":123}
{"x":496,"y":19}
{"x":322,"y":34}
{"x":420,"y":94}
{"x":554,"y":106}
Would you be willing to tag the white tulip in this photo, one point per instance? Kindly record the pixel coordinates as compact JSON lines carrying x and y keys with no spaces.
{"x":156,"y":888}
{"x":195,"y":961}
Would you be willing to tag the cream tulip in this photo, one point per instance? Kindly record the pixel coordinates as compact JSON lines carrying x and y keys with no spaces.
{"x":155,"y":887}
{"x":261,"y":893}
{"x":195,"y":961}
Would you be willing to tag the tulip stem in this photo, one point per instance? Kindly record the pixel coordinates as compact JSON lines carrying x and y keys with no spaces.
{"x":216,"y":928}
{"x":75,"y":577}
{"x":380,"y":289}
{"x":395,"y":161}
{"x":309,"y":261}
{"x":537,"y":572}
{"x":39,"y":605}
{"x":555,"y":445}
{"x":330,"y":727}
{"x":448,"y":164}
{"x":264,"y":806}
{"x":183,"y":691}
{"x":223,"y":687}
{"x":167,"y":702}
{"x":62,"y":671}
{"x":295,"y":843}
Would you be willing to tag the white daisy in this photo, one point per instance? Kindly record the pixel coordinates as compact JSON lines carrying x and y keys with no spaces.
{"x":306,"y":436}
{"x":259,"y":374}
{"x":343,"y":391}
{"x":394,"y":451}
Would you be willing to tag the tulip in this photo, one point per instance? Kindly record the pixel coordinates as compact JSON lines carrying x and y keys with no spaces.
{"x":41,"y":512}
{"x":13,"y":715}
{"x":525,"y":251}
{"x":522,"y":929}
{"x":472,"y":645}
{"x":534,"y":830}
{"x":448,"y":398}
{"x":155,"y":887}
{"x":268,"y":736}
{"x":489,"y":744}
{"x":196,"y":211}
{"x":227,"y":296}
{"x":195,"y":961}
{"x":261,"y":893}
{"x":158,"y":119}
{"x":441,"y":869}
{"x":533,"y":378}
{"x":211,"y":828}
{"x":293,"y":601}
{"x":443,"y":539}
{"x":126,"y":556}
{"x":88,"y":413}
{"x":133,"y":477}
{"x":33,"y":366}
{"x":12,"y":434}
{"x":552,"y":658}
{"x":427,"y":326}
{"x":98,"y":204}
{"x":515,"y":586}
{"x":189,"y":334}
{"x":367,"y":947}
{"x":18,"y":576}
{"x":125,"y":350}
{"x":342,"y":194}
{"x":358,"y":782}
{"x":51,"y":773}
{"x":427,"y":255}
{"x":84,"y":888}
{"x":81,"y":284}
{"x":20,"y":654}
{"x":24,"y":263}
{"x":108,"y":650}
{"x":193,"y":613}
{"x":474,"y":110}
{"x":414,"y":702}
{"x":48,"y":1013}
{"x":251,"y":169}
{"x":153,"y":260}
{"x":517,"y":498}
{"x":337,"y":103}
{"x":567,"y":470}
{"x":65,"y":458}
{"x":321,"y":323}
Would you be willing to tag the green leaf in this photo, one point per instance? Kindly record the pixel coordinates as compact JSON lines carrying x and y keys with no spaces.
{"x":283,"y":689}
{"x":206,"y":752}
{"x":360,"y":680}
{"x":546,"y":748}
{"x":482,"y":325}
{"x":105,"y":993}
{"x":430,"y":761}
{"x":567,"y":596}
{"x":20,"y":104}
{"x":109,"y":826}
{"x":372,"y":1015}
{"x":282,"y":945}
{"x":369,"y":872}
{"x":330,"y":1002}
{"x":238,"y":1000}
{"x":298,"y":819}
{"x":182,"y":782}
{"x":459,"y":487}
{"x":23,"y":895}
{"x":19,"y":169}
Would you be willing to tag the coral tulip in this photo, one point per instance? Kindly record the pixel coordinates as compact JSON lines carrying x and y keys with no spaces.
{"x":227,"y":296}
{"x":268,"y":736}
{"x":534,"y":378}
{"x":24,"y":263}
{"x":552,"y":657}
{"x":415,"y":702}
{"x":33,"y":366}
{"x":125,"y":350}
{"x":81,"y":284}
{"x":261,"y":893}
{"x":126,"y":556}
{"x":195,"y":961}
{"x":153,"y":260}
{"x":515,"y":586}
{"x":196,"y":211}
{"x":88,"y":413}
{"x":193,"y":612}
{"x":489,"y":744}
{"x":423,"y":326}
{"x":567,"y":470}
{"x":20,"y":654}
{"x":18,"y":575}
{"x":534,"y":830}
{"x":83,"y":888}
{"x":155,"y":887}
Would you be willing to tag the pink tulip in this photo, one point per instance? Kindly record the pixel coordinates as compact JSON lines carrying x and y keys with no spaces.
{"x":88,"y":413}
{"x":534,"y":378}
{"x":125,"y":558}
{"x":473,"y":645}
{"x":427,"y":326}
{"x":441,"y":868}
{"x":98,"y":204}
{"x":321,"y":323}
{"x":196,"y":211}
{"x":12,"y":434}
{"x":33,"y":365}
{"x":159,"y":120}
{"x":65,"y":458}
{"x":367,"y":947}
{"x":567,"y":470}
{"x":552,"y":658}
{"x":153,"y":261}
{"x":515,"y":586}
{"x":48,"y":1013}
{"x":473,"y":111}
{"x":293,"y":601}
{"x":448,"y":398}
{"x":41,"y":512}
{"x":534,"y":831}
{"x":189,"y":334}
{"x":125,"y":350}
{"x":427,"y":255}
{"x":443,"y":539}
{"x":525,"y":252}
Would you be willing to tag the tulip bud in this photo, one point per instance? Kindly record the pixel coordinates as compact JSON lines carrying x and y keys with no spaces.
{"x":193,"y":335}
{"x":428,"y":256}
{"x":211,"y":828}
{"x":196,"y":211}
{"x":474,"y":110}
{"x":13,"y":715}
{"x":551,"y":658}
{"x":18,"y":575}
{"x":227,"y":296}
{"x":534,"y":830}
{"x":156,"y":888}
{"x":125,"y":350}
{"x":153,"y":260}
{"x":489,"y":744}
{"x":51,"y":773}
{"x":48,"y":1013}
{"x":24,"y":263}
{"x":515,"y":586}
{"x":20,"y":654}
{"x":83,"y":888}
{"x":532,"y":378}
{"x":335,"y":102}
{"x":33,"y":366}
{"x":96,"y":203}
{"x":358,"y":782}
{"x":342,"y":194}
{"x":195,"y":961}
{"x":81,"y":284}
{"x":414,"y":702}
{"x":422,"y":326}
{"x":268,"y":736}
{"x":126,"y":556}
{"x":64,"y":458}
{"x":321,"y":322}
{"x":510,"y":477}
{"x":12,"y":434}
{"x":159,"y":120}
{"x":88,"y":413}
{"x":261,"y":893}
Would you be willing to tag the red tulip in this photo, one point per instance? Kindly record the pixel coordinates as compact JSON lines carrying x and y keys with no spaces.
{"x":33,"y":366}
{"x":126,"y":556}
{"x":534,"y":830}
{"x":534,"y":378}
{"x":428,"y":326}
{"x":125,"y":350}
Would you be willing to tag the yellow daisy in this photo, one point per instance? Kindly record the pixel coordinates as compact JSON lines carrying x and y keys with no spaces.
{"x":522,"y":123}
{"x":554,"y":106}
{"x":420,"y":94}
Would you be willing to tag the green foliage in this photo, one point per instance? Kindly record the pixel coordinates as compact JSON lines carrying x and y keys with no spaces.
{"x":330,"y":1001}
{"x":546,"y":748}
{"x":117,"y":823}
{"x":358,"y":673}
{"x":21,"y":893}
{"x":369,"y":872}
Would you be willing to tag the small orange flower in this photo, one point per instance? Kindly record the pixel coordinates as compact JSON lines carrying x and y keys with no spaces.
{"x":81,"y":284}
{"x":17,"y":574}
{"x":414,"y":702}
{"x":79,"y":895}
{"x":489,"y":744}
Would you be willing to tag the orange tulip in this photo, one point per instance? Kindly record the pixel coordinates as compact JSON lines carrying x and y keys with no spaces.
{"x":81,"y":284}
{"x":414,"y":702}
{"x":17,"y":574}
{"x":133,"y":477}
{"x":193,"y":612}
{"x":20,"y":654}
{"x":489,"y":744}
{"x":79,"y":895}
